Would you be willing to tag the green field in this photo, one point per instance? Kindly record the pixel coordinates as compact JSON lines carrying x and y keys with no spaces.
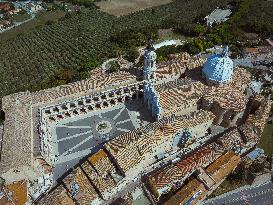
{"x":35,"y":58}
{"x":266,"y":141}
{"x":20,"y":17}
{"x":39,"y":21}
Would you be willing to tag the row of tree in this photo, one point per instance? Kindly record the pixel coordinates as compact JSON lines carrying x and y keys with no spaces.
{"x":64,"y":51}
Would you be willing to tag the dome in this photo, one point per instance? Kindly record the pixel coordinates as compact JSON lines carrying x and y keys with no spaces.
{"x":219,"y":68}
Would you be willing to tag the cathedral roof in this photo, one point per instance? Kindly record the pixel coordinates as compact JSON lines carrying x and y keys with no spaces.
{"x":219,"y":68}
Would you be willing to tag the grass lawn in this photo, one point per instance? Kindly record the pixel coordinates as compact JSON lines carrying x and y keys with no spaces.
{"x":266,"y":141}
{"x":38,"y":21}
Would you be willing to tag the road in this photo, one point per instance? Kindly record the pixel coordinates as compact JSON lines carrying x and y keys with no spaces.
{"x":18,"y":24}
{"x":258,"y":195}
{"x":248,"y":62}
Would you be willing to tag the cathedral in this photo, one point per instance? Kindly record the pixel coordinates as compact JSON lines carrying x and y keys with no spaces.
{"x":89,"y":141}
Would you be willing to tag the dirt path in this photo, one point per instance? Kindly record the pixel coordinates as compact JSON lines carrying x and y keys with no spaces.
{"x":123,"y":7}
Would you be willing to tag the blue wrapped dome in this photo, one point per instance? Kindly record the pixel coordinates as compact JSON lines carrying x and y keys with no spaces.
{"x":219,"y":68}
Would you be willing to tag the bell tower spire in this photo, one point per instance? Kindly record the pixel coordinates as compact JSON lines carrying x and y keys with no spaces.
{"x":150,"y":62}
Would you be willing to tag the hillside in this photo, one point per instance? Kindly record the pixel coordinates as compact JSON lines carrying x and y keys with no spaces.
{"x":57,"y":53}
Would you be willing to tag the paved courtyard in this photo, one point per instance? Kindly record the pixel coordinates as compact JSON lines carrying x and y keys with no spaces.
{"x":80,"y":136}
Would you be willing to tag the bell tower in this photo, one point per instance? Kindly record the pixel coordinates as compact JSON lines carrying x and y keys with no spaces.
{"x":151,"y":96}
{"x":150,"y":62}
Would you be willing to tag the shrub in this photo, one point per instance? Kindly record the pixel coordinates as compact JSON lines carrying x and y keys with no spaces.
{"x":114,"y":67}
{"x":164,"y":52}
{"x":198,"y":29}
{"x":131,"y":54}
{"x":91,"y":64}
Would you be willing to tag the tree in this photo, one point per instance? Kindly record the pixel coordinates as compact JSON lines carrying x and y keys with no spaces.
{"x":91,"y":64}
{"x":256,"y":167}
{"x":199,"y":29}
{"x":49,"y":22}
{"x":131,"y":54}
{"x":214,"y":38}
{"x":2,"y":116}
{"x":190,"y":48}
{"x":114,"y":67}
{"x":161,"y":58}
{"x":164,"y":52}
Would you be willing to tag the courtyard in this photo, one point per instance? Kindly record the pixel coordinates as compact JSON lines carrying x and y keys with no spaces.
{"x":77,"y":137}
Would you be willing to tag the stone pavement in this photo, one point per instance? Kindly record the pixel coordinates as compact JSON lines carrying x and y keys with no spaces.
{"x":76,"y":138}
{"x":260,"y":195}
